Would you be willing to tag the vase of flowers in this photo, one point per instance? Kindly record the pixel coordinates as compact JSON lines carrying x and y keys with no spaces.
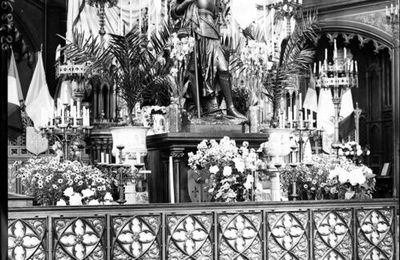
{"x":52,"y":182}
{"x":329,"y":177}
{"x":228,"y":170}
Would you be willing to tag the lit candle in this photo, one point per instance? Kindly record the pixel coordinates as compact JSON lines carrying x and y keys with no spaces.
{"x":391,"y":8}
{"x":326,"y":54}
{"x":315,"y":68}
{"x":356,"y":66}
{"x":345,"y":53}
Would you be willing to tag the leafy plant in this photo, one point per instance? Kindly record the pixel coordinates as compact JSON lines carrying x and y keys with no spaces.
{"x":133,"y":62}
{"x":293,"y":61}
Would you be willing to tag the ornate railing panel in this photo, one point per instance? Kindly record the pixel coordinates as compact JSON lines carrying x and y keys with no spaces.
{"x":333,"y":234}
{"x":287,"y":230}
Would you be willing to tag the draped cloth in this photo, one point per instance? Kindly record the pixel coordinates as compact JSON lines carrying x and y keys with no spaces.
{"x":84,"y":18}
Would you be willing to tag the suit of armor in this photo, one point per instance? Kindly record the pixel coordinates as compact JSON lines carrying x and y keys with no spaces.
{"x":199,"y":18}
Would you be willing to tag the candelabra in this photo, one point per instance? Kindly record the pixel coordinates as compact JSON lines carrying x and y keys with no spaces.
{"x":125,"y":172}
{"x":68,"y":125}
{"x":338,"y":76}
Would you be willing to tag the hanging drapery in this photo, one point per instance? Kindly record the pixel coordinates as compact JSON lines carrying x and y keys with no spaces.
{"x":84,"y":18}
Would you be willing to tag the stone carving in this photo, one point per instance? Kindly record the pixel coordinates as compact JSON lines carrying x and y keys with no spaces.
{"x":287,"y":236}
{"x":26,"y":239}
{"x":136,"y":237}
{"x":79,"y":238}
{"x":189,"y":237}
{"x":333,"y":236}
{"x":374,"y":234}
{"x":239,"y":236}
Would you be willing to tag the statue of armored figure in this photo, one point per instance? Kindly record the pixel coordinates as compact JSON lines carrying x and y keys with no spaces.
{"x":198,"y":18}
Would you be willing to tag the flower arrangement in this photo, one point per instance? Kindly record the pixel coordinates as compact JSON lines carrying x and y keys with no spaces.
{"x":180,"y":50}
{"x":353,"y":151}
{"x":49,"y":180}
{"x":181,"y":47}
{"x":329,"y":178}
{"x":228,"y":169}
{"x":255,"y":57}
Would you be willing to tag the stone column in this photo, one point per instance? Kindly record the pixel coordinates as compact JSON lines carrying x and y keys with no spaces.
{"x":177,"y":156}
{"x":396,"y":108}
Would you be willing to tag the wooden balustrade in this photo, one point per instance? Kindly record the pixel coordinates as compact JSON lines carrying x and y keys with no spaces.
{"x":274,"y":230}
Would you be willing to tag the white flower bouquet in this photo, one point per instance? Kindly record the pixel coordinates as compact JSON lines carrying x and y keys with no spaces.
{"x":52,"y":182}
{"x":228,"y":169}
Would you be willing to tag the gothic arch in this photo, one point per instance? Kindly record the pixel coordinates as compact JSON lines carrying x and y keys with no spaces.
{"x":364,"y":32}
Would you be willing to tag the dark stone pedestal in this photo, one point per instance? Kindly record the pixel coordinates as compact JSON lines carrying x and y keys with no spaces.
{"x":162,"y":146}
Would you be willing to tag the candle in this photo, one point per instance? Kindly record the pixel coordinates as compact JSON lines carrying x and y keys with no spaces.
{"x":391,"y":8}
{"x":78,"y":109}
{"x":138,"y":159}
{"x":102,"y":160}
{"x":107,"y":158}
{"x":171,"y":181}
{"x":326,"y":54}
{"x":345,"y":53}
{"x":315,"y":68}
{"x":387,"y":11}
{"x":62,"y":114}
{"x":356,"y":66}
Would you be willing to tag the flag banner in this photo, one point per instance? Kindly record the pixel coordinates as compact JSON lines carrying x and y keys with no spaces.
{"x":14,"y":98}
{"x":346,"y":104}
{"x":347,"y":126}
{"x":326,"y":113}
{"x":39,"y":103}
{"x":35,"y":142}
{"x":310,"y":101}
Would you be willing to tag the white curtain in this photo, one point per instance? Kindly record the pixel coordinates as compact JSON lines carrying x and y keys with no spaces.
{"x":86,"y":20}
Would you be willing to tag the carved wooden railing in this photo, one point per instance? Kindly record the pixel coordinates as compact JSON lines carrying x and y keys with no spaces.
{"x":276,"y":230}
